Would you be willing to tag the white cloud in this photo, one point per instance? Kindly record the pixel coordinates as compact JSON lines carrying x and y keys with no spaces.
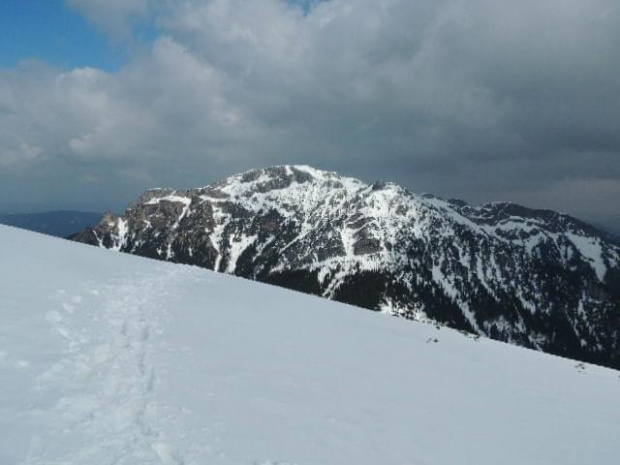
{"x":458,"y":97}
{"x":113,"y":16}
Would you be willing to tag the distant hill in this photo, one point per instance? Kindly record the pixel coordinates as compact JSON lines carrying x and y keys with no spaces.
{"x":56,"y":223}
{"x":611,"y":225}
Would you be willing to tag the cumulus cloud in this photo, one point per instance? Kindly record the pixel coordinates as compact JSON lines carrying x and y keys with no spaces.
{"x":477,"y":98}
{"x":113,"y":16}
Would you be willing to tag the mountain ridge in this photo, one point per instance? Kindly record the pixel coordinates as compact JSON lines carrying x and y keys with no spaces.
{"x":533,"y":277}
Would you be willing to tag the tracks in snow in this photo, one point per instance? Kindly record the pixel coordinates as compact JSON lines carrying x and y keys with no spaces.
{"x":103,"y":387}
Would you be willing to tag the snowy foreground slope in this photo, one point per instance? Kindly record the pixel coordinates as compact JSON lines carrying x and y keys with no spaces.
{"x":108,"y":358}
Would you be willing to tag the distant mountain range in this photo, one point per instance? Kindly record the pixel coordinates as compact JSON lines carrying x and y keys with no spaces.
{"x":611,"y":227}
{"x":535,"y":278}
{"x":56,"y":223}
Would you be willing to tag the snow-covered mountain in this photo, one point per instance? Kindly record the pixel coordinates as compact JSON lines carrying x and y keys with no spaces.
{"x":536,"y":278}
{"x":115,"y":359}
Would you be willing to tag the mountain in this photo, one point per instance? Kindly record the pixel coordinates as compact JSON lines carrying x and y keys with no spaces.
{"x":56,"y":223}
{"x":111,"y":358}
{"x":536,"y":278}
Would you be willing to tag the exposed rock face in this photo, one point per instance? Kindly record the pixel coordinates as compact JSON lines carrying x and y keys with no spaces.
{"x":536,"y":278}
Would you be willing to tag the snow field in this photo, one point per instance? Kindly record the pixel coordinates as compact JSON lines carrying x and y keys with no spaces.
{"x":107,"y":358}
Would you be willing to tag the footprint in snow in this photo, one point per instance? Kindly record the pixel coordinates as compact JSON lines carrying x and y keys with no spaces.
{"x":269,"y":462}
{"x":166,"y":454}
{"x":70,"y":305}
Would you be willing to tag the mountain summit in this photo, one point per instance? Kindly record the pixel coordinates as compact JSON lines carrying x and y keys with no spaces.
{"x":535,"y":278}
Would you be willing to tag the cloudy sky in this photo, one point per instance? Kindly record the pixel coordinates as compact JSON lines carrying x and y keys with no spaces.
{"x":477,"y":99}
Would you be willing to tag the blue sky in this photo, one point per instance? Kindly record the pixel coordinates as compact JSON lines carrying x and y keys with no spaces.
{"x":50,"y":31}
{"x":47,"y":30}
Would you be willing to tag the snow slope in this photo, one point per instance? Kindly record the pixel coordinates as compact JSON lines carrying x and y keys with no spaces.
{"x":108,"y":358}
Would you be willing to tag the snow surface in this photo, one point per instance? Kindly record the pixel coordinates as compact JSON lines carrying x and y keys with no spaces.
{"x":115,"y":359}
{"x":590,"y":248}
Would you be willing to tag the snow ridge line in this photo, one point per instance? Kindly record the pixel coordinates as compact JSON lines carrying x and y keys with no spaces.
{"x":105,"y":383}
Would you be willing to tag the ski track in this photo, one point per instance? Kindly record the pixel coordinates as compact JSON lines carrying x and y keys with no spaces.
{"x":105,"y":384}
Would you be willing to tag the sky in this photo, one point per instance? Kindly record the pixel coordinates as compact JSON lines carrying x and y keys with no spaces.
{"x":45,"y":30}
{"x":475,"y":99}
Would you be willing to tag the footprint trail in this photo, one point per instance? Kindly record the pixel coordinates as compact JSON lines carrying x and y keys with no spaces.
{"x":107,"y":376}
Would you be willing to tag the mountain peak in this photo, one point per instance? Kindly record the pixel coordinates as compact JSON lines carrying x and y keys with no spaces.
{"x":285,"y":175}
{"x":493,"y":270}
